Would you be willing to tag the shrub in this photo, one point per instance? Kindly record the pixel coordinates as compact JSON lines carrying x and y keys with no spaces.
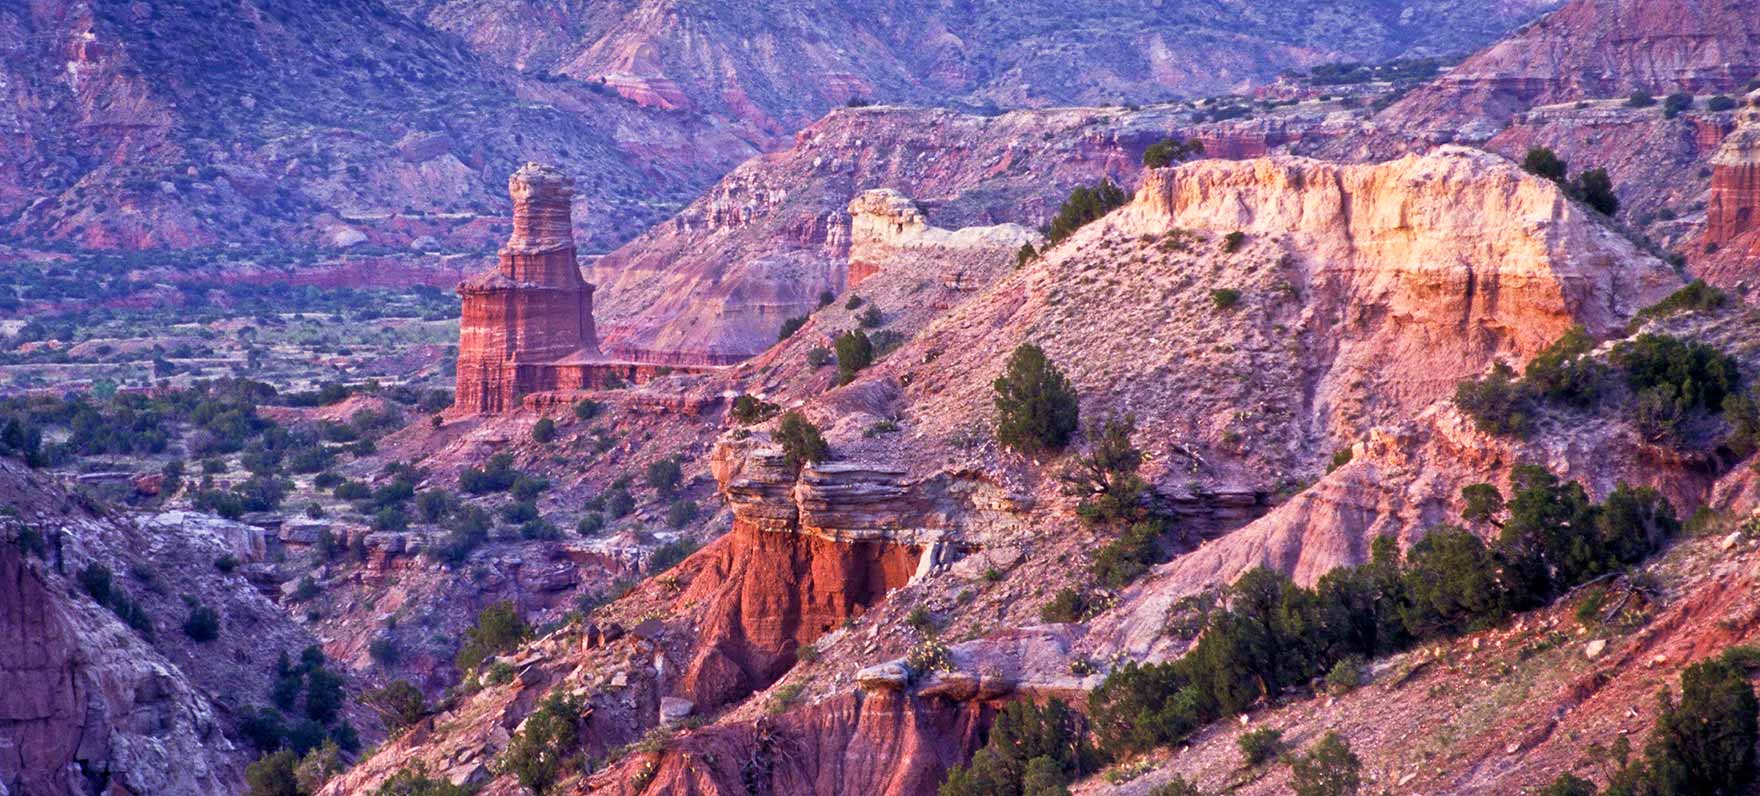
{"x":1106,"y":477}
{"x":435,"y":505}
{"x":854,"y":302}
{"x":416,"y":782}
{"x":871,"y":318}
{"x":1047,"y":742}
{"x":800,"y":440}
{"x":790,"y":326}
{"x":680,"y":513}
{"x":1640,"y":99}
{"x":1720,"y":103}
{"x":1169,"y":151}
{"x":668,"y":555}
{"x":546,"y":745}
{"x":95,"y":579}
{"x":1231,"y":242}
{"x":1178,"y":786}
{"x":1024,"y":254}
{"x":1595,"y":188}
{"x":519,"y":511}
{"x":590,"y":524}
{"x":544,"y":431}
{"x":273,"y":775}
{"x":1701,"y":376}
{"x":495,"y":476}
{"x":1126,"y":558}
{"x":1695,"y":296}
{"x":1543,"y":162}
{"x":1704,"y":744}
{"x":1569,"y":784}
{"x":1083,"y":206}
{"x":854,"y":352}
{"x":1345,"y":675}
{"x":1259,"y":746}
{"x":748,"y":410}
{"x":586,"y":409}
{"x":498,"y":629}
{"x":202,"y":625}
{"x":1329,"y":768}
{"x":819,"y":356}
{"x":226,"y":563}
{"x":1674,"y":104}
{"x":1224,"y":298}
{"x":1068,"y":605}
{"x":1497,"y":403}
{"x":1036,"y":407}
{"x":1564,"y":372}
{"x":324,"y":695}
{"x":664,"y":476}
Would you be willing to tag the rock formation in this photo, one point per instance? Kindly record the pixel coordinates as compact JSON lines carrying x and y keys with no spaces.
{"x":527,"y":324}
{"x":1734,"y":205}
{"x":884,"y":223}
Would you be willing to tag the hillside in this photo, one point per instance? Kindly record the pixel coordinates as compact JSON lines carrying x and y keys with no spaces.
{"x":306,"y":125}
{"x":815,"y":56}
{"x":911,"y":520}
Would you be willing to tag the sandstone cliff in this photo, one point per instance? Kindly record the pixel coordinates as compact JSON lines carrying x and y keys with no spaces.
{"x":1731,"y":244}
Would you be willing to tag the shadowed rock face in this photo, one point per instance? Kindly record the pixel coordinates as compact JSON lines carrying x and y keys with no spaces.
{"x":527,"y":324}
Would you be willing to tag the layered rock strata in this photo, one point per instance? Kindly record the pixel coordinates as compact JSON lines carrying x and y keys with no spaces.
{"x":1733,"y":208}
{"x":884,"y":223}
{"x":527,"y":324}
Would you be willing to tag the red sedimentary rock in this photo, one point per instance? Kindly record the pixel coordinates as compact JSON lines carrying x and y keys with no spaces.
{"x":1734,"y":205}
{"x":528,"y":323}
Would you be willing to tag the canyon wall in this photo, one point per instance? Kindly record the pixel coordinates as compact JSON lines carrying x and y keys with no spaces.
{"x":1733,"y":208}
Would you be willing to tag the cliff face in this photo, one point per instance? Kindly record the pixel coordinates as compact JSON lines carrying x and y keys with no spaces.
{"x":1733,"y":209}
{"x":89,"y":704}
{"x":1589,"y":49}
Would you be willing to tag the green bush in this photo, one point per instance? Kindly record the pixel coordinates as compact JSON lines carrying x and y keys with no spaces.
{"x":1640,"y":99}
{"x":1329,"y":768}
{"x":1169,"y":151}
{"x":1067,"y":605}
{"x":1543,"y":162}
{"x":1595,"y":188}
{"x":664,"y":476}
{"x":801,"y":442}
{"x":498,"y":629}
{"x":202,"y":625}
{"x":546,"y":746}
{"x":1231,"y":242}
{"x":1497,"y":403}
{"x":1695,"y":296}
{"x":668,"y":555}
{"x":1037,"y":409}
{"x":1564,"y":372}
{"x":1045,"y":747}
{"x":586,"y":409}
{"x":1083,"y":206}
{"x":854,"y":353}
{"x":680,"y":513}
{"x":1720,"y":103}
{"x":748,"y":410}
{"x":1224,"y":298}
{"x":544,"y":431}
{"x":1674,"y":104}
{"x":273,"y":775}
{"x":790,"y":326}
{"x":1259,"y":746}
{"x":416,"y":782}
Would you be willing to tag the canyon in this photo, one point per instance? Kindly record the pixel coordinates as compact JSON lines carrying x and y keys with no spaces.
{"x":718,"y":501}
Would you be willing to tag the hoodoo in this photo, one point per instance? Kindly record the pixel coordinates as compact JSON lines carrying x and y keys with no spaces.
{"x":527,"y":324}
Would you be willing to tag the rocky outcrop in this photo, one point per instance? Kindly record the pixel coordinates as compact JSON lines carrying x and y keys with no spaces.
{"x":1733,"y":209}
{"x":527,"y":325}
{"x":884,"y":224}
